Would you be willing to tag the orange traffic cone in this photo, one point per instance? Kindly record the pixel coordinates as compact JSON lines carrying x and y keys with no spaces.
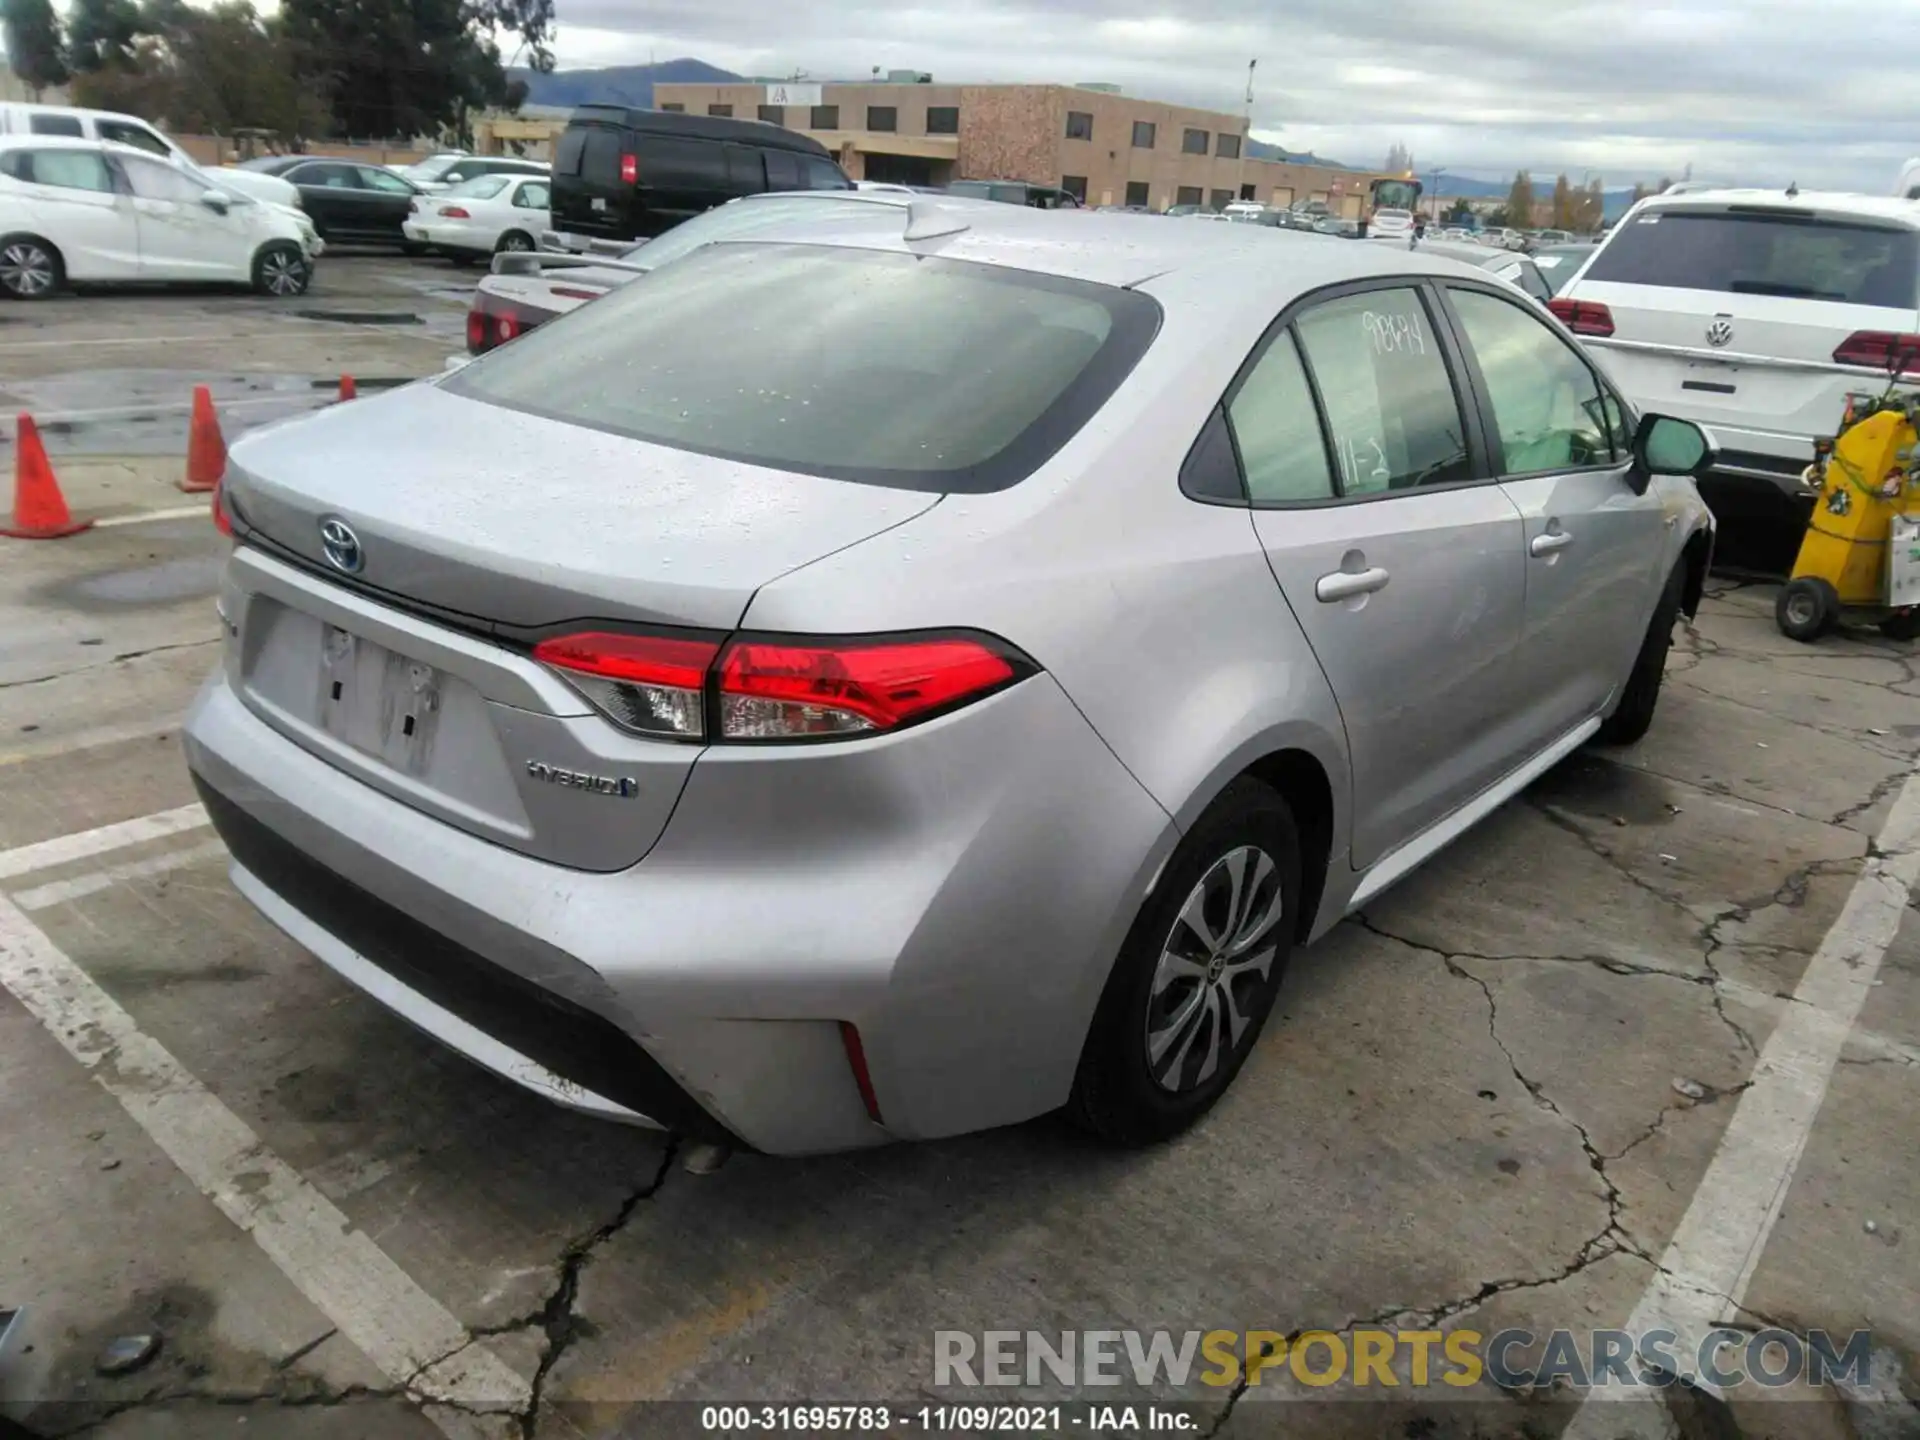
{"x":348,"y":390}
{"x":206,"y":448}
{"x":39,"y":509}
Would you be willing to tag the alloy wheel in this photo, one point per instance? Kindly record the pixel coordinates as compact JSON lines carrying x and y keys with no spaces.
{"x":1802,"y":608}
{"x":26,"y":269}
{"x":283,"y":272}
{"x":515,"y":242}
{"x":1218,"y":954}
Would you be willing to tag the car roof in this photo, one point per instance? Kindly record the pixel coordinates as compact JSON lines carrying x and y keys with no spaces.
{"x":1825,"y":203}
{"x":1469,"y":253}
{"x":1109,"y":249}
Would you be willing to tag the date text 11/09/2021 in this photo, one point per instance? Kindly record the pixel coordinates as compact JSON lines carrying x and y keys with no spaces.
{"x":950,"y":1419}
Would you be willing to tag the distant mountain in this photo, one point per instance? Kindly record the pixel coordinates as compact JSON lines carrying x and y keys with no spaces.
{"x":1261,"y":150}
{"x":616,"y":84}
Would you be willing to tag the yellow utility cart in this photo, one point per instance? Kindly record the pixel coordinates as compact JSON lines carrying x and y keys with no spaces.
{"x":1861,"y":554}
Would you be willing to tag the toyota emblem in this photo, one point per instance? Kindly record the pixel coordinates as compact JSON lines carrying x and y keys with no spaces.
{"x":341,"y":546}
{"x":1720,"y":332}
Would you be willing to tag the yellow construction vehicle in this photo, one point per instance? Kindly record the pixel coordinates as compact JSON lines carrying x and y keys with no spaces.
{"x":1861,"y":555}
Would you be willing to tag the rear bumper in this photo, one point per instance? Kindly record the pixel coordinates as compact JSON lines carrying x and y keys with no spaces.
{"x":957,"y":892}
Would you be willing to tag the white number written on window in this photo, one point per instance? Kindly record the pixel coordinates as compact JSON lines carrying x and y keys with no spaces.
{"x":1393,"y":334}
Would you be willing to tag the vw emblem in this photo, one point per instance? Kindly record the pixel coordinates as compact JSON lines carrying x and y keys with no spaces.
{"x":341,"y":546}
{"x":1720,"y":332}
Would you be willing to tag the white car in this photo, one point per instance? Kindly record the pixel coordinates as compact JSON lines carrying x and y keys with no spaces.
{"x":1390,"y":224}
{"x":1756,"y":313}
{"x":440,"y":173}
{"x":81,"y":210}
{"x":483,"y":216}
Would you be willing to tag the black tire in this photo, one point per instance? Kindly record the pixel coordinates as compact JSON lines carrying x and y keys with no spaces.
{"x":1903,"y":627}
{"x":30,"y":268}
{"x":281,"y":270}
{"x":1633,"y":717}
{"x":516,"y":240}
{"x":1116,"y":1094}
{"x":1805,"y":609}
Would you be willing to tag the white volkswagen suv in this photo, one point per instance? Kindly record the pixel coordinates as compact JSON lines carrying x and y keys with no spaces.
{"x":1754,"y":312}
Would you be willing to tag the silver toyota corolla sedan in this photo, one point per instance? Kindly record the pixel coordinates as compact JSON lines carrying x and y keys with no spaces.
{"x":874,"y":683}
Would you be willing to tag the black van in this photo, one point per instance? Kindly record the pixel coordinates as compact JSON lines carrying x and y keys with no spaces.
{"x":623,"y":174}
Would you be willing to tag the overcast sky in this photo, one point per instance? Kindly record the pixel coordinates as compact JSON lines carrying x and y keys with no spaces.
{"x":1761,"y":91}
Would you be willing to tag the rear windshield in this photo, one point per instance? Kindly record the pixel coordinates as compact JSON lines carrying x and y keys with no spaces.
{"x":871,"y":366}
{"x":481,"y":187}
{"x":739,"y":219}
{"x":1756,"y":252}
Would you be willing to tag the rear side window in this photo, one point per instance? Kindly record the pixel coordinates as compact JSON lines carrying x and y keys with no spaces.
{"x":1391,"y":409}
{"x":566,"y":155}
{"x":70,"y":170}
{"x":46,"y":124}
{"x":746,"y":173}
{"x":600,"y":160}
{"x":674,"y":164}
{"x":947,"y":375}
{"x":1278,"y":431}
{"x":783,"y":171}
{"x":1765,"y":252}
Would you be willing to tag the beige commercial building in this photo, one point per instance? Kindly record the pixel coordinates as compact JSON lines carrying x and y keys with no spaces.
{"x":1104,"y":147}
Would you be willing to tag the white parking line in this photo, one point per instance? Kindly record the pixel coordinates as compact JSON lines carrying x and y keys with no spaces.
{"x":47,"y":853}
{"x":91,"y":739}
{"x":58,"y":892}
{"x":400,"y":1328}
{"x":177,"y":512}
{"x":1714,"y":1251}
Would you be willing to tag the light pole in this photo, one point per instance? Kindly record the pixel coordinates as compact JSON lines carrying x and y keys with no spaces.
{"x":1437,"y":174}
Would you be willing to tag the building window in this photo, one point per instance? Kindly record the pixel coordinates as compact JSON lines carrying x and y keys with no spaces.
{"x":722,"y":110}
{"x":1079,"y":125}
{"x":943,"y":119}
{"x":1143,"y":135}
{"x":1136,"y":192}
{"x":1226,"y":146}
{"x":1187,"y":195}
{"x":1219,"y":199}
{"x":824,"y":117}
{"x":883,"y":117}
{"x":673,"y":109}
{"x":1193,"y":142}
{"x":1076,"y":186}
{"x":774,"y":114}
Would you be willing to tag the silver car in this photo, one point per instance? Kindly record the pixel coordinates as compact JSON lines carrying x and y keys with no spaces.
{"x":859,"y":684}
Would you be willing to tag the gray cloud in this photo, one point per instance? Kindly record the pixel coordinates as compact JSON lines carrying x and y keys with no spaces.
{"x":1764,"y":91}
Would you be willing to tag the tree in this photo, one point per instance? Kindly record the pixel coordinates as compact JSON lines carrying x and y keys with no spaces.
{"x":1640,"y":191}
{"x":1520,"y":202}
{"x":1460,"y":212}
{"x":1666,"y":184}
{"x":407,"y":67}
{"x":34,"y":48}
{"x":101,"y":33}
{"x":1399,"y":159}
{"x":1563,"y":216}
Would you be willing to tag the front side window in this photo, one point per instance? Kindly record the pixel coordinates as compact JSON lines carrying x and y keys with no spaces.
{"x":956,"y":376}
{"x":1278,"y":431}
{"x":1079,"y":125}
{"x":1193,"y":142}
{"x":151,"y":180}
{"x":385,"y":181}
{"x":72,"y":170}
{"x":824,"y":174}
{"x":1546,"y":402}
{"x":1143,"y":134}
{"x":138,"y":136}
{"x":1392,"y":415}
{"x":331,"y":177}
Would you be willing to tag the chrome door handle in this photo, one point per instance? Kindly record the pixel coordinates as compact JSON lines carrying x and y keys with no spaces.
{"x":1345,"y":584}
{"x":1548,"y":543}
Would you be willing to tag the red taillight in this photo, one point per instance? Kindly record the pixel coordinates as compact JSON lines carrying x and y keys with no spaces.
{"x":1583,"y":317}
{"x":783,"y":690}
{"x":455,"y":212}
{"x":629,"y":169}
{"x":479,"y":332}
{"x":222,"y":520}
{"x":857,"y":1062}
{"x":505,"y":327}
{"x":649,"y":684}
{"x":1880,"y":350}
{"x":777,"y":689}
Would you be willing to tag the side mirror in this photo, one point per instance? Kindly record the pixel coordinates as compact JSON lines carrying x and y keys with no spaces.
{"x":215,"y":201}
{"x":1664,"y":445}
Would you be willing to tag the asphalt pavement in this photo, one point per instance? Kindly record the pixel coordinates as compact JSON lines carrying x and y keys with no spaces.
{"x":1643,"y":1047}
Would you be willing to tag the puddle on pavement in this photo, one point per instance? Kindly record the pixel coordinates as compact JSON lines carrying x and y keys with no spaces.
{"x":1603,"y":790}
{"x":161,"y":584}
{"x":363,"y":317}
